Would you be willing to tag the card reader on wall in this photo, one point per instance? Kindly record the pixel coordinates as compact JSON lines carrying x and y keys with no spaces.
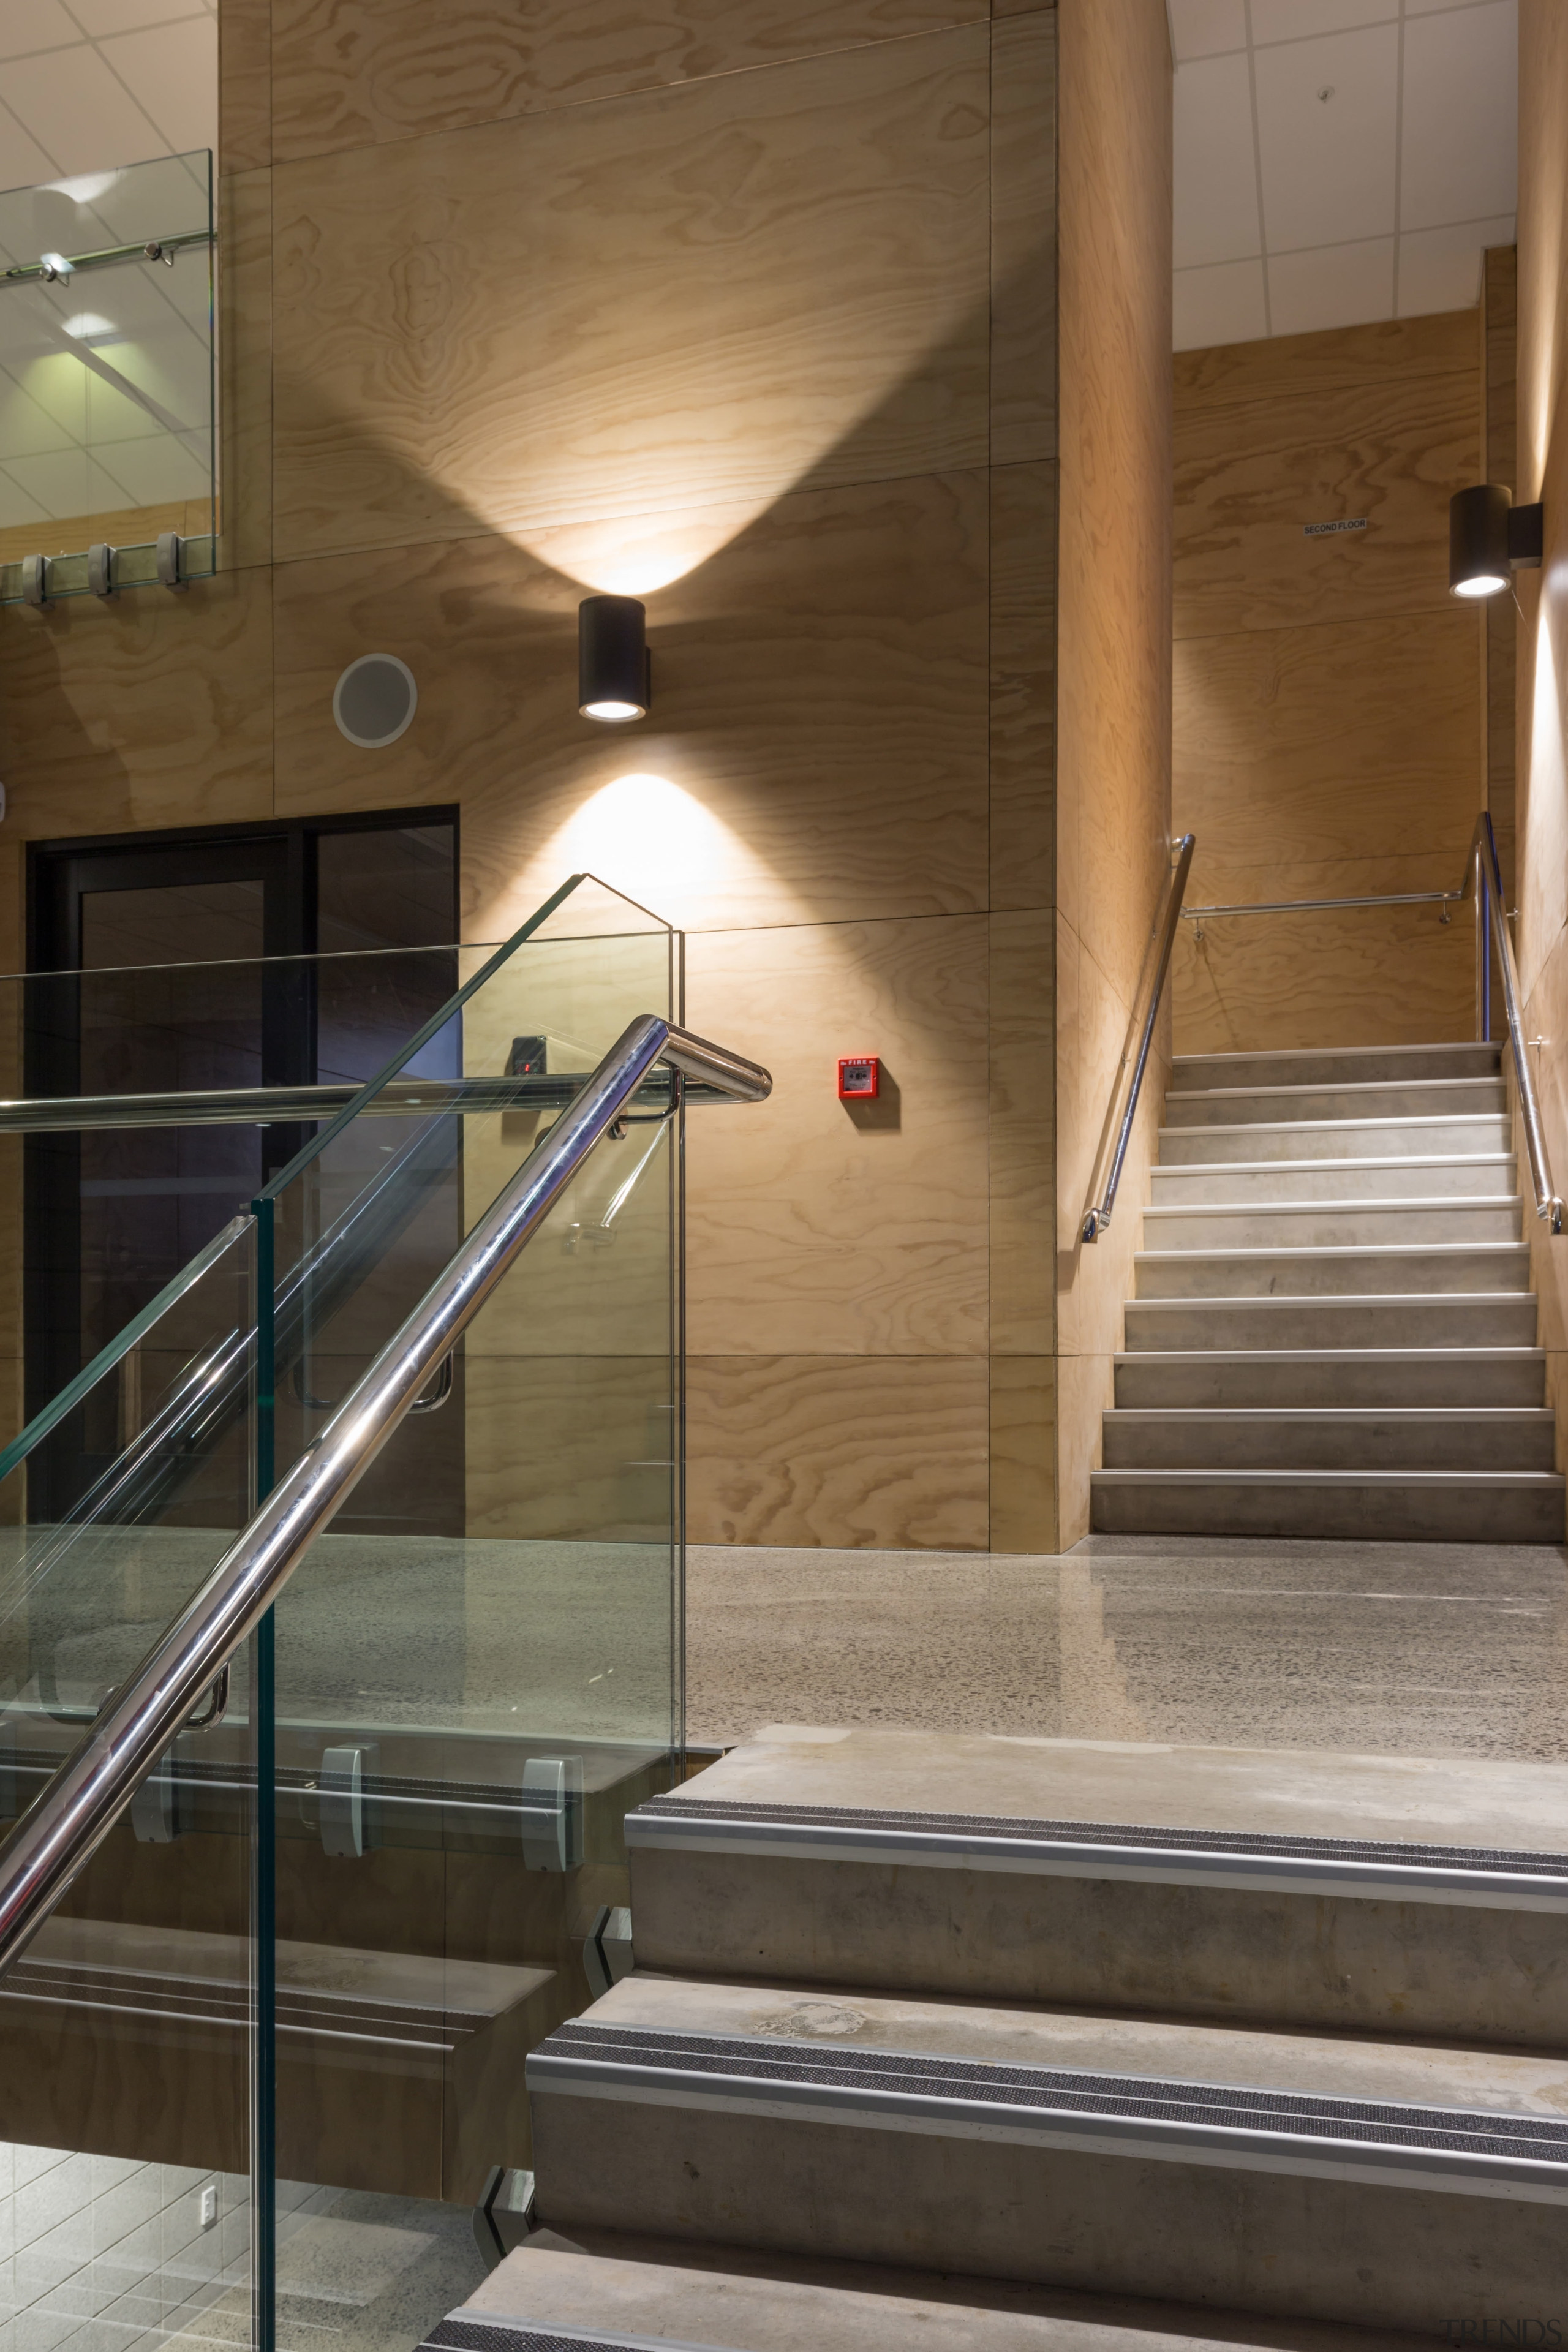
{"x":552,"y":1813}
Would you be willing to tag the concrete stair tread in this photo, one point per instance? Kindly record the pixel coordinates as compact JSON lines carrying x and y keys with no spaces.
{"x":1304,"y":1816}
{"x":1383,"y":2115}
{"x":1542,"y":1479}
{"x":1481,"y":1058}
{"x":1494,"y":1416}
{"x":621,"y":2290}
{"x":1438,"y":1088}
{"x":1316,"y":1167}
{"x":1396,"y":1250}
{"x":1350,"y":1356}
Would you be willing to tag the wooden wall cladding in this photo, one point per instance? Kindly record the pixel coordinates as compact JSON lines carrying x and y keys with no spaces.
{"x":352,"y":73}
{"x":840,"y":1451}
{"x":1330,"y":696}
{"x":151,"y":711}
{"x":817,"y":746}
{"x":737,"y":287}
{"x":818,"y":1227}
{"x":1541,"y":708}
{"x":1114,"y":654}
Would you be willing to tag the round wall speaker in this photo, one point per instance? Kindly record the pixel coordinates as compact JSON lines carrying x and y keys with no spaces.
{"x":374,"y":700}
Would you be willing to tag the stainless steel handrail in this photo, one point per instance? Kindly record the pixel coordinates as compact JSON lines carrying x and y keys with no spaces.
{"x":287,"y":1106}
{"x":81,"y":1804}
{"x":1098,"y":1215}
{"x":1486,"y":874}
{"x":1305,"y":906}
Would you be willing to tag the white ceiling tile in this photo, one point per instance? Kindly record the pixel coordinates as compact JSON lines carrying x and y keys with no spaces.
{"x":100,"y":18}
{"x":1204,"y":28}
{"x":1338,"y":286}
{"x":1328,"y":165}
{"x":1223,"y":304}
{"x":1441,"y":269}
{"x":22,"y":159}
{"x":27,"y":24}
{"x":1461,"y":116}
{"x":79,"y":111}
{"x":1296,"y":20}
{"x":1216,"y":168}
{"x":172,"y":72}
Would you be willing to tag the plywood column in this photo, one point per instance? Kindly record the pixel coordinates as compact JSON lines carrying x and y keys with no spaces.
{"x":1114,"y":816}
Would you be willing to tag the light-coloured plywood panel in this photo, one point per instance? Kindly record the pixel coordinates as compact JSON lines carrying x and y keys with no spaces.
{"x":244,"y":85}
{"x":1023,"y":685}
{"x":1253,"y":478}
{"x":1094,"y":1033}
{"x":816,"y":749}
{"x":1023,"y":1453}
{"x":568,"y":1449}
{"x":1114,"y":631}
{"x":1296,"y":746}
{"x":350,"y":73}
{"x":733,"y":289}
{"x":1023,"y":1043}
{"x":1285,"y":367}
{"x":839,"y":1451}
{"x":817,"y":1226}
{"x":151,"y":711}
{"x":1023,"y":238}
{"x":245,"y":354}
{"x":1377,"y":976}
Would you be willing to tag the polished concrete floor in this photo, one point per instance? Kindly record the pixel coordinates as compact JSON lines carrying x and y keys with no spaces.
{"x":1385,"y":1648}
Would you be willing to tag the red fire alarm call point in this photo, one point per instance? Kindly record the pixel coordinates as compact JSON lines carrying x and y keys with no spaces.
{"x":860,"y":1079}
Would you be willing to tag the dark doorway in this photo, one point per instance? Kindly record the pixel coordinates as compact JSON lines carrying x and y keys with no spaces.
{"x":177,"y":955}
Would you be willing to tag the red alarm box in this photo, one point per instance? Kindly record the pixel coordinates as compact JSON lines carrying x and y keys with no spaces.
{"x":859,"y":1078}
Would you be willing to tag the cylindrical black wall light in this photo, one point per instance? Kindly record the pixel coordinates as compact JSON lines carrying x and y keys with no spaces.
{"x":1489,"y":538}
{"x":615,"y":668}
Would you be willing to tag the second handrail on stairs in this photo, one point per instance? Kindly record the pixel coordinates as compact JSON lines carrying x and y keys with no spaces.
{"x":1135,"y":1051}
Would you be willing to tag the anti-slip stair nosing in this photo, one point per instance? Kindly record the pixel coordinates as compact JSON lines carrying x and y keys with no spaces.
{"x":1442,"y":1480}
{"x":1450,"y":1205}
{"x":1184,"y":1415}
{"x":1344,"y":1249}
{"x":1522,"y":2157}
{"x":1287,"y":1302}
{"x":1366,"y":1870}
{"x":504,"y":2331}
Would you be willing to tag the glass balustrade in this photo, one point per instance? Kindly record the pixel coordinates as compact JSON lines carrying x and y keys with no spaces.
{"x":315,"y":2007}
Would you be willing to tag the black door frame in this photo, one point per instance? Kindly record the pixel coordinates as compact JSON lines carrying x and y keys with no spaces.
{"x":278,"y":852}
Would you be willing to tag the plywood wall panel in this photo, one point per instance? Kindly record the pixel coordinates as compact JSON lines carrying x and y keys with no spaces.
{"x":1297,"y":746}
{"x":1113,"y":650}
{"x":1023,"y":239}
{"x":1022,"y":1517}
{"x":839,"y":1451}
{"x":1023,"y":833}
{"x":154,"y":709}
{"x":817,"y":1226}
{"x":352,"y":73}
{"x":1023,"y":1132}
{"x":1283,"y":367}
{"x":1344,"y":977}
{"x":824,"y":667}
{"x":244,"y":360}
{"x":1253,"y":476}
{"x":734,"y":289}
{"x":244,"y":85}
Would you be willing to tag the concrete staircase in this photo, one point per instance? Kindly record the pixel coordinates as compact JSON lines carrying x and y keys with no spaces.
{"x":1333,"y":1332}
{"x":1053,"y":2040}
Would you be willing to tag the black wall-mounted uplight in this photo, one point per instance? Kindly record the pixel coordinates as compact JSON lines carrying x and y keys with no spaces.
{"x":615,"y":668}
{"x":1489,"y":538}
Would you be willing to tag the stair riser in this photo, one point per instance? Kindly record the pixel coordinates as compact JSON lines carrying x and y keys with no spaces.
{"x":1402,"y":1179}
{"x":1446,"y":1376}
{"x":1360,"y":1067}
{"x":1348,"y":1513}
{"x":1322,"y":1225}
{"x":1182,"y":1147}
{"x":1269,"y":1273}
{"x":1458,"y":1099}
{"x":1250,"y":1324}
{"x":1267,"y":1958}
{"x":1249,"y":1442}
{"x":1244,"y":2239}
